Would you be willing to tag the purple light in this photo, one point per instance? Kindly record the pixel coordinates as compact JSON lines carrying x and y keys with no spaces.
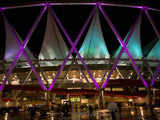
{"x":73,"y":47}
{"x":22,"y":6}
{"x":43,"y":4}
{"x":141,"y":7}
{"x":22,"y":47}
{"x":25,"y":54}
{"x":152,"y":23}
{"x":121,"y":5}
{"x":123,"y":45}
{"x":35,"y":72}
{"x":2,"y":8}
{"x":73,"y":3}
{"x":157,"y":33}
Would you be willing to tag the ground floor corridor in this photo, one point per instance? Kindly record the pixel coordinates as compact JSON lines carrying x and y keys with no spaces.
{"x":103,"y":114}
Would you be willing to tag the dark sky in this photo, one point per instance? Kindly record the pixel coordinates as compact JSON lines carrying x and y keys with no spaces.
{"x":150,"y":3}
{"x":73,"y":18}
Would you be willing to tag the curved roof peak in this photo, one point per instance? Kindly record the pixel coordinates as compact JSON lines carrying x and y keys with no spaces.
{"x":155,"y":52}
{"x":94,"y":45}
{"x":12,"y":48}
{"x":134,"y":44}
{"x":53,"y":46}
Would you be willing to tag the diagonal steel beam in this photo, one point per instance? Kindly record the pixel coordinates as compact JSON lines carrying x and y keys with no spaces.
{"x":24,"y":53}
{"x":73,"y":47}
{"x":5,"y":70}
{"x":43,"y":75}
{"x":120,"y":54}
{"x":29,"y":74}
{"x":22,"y":47}
{"x":67,"y":71}
{"x":123,"y":44}
{"x":84,"y":75}
{"x":119,"y":72}
{"x":149,"y":69}
{"x":158,"y":34}
{"x":106,"y":71}
{"x":76,"y":41}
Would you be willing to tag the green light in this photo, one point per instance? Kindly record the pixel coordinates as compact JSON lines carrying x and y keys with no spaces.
{"x":94,"y":45}
{"x":134,"y":45}
{"x":155,"y":52}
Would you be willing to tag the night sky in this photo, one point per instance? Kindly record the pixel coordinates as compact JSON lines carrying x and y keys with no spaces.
{"x":73,"y":18}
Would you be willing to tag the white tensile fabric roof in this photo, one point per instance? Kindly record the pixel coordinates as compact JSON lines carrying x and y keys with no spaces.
{"x":53,"y":46}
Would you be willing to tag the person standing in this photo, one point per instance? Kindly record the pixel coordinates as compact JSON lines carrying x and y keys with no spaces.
{"x":66,"y":109}
{"x":32,"y":113}
{"x":113,"y":108}
{"x":90,"y":111}
{"x":119,"y":106}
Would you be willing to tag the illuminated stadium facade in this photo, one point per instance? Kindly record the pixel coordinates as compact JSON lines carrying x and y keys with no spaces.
{"x":62,"y":62}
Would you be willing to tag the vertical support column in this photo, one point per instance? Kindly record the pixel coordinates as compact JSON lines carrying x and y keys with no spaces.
{"x":14,"y":97}
{"x":149,"y":101}
{"x":1,"y":97}
{"x":101,"y":99}
{"x":48,"y":102}
{"x":154,"y":96}
{"x":37,"y":64}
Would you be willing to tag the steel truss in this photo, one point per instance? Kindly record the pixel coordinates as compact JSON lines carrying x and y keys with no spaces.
{"x":97,"y":5}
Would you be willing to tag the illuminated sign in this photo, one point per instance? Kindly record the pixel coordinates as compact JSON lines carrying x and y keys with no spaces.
{"x":75,"y":99}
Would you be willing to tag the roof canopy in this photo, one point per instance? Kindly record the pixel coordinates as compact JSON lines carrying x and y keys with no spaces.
{"x":134,"y":44}
{"x":12,"y":48}
{"x":94,"y":45}
{"x":53,"y":44}
{"x":155,"y":51}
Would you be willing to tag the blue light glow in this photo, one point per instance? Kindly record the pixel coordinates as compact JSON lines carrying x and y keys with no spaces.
{"x":155,"y":52}
{"x":94,"y":45}
{"x":134,"y":44}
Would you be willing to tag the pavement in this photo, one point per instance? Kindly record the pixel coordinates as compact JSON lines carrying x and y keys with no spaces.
{"x":72,"y":116}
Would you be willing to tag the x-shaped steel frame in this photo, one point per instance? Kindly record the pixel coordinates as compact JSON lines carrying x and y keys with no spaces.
{"x":22,"y":50}
{"x":158,"y":35}
{"x":123,"y":44}
{"x":73,"y":44}
{"x":121,"y":51}
{"x":73,"y":47}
